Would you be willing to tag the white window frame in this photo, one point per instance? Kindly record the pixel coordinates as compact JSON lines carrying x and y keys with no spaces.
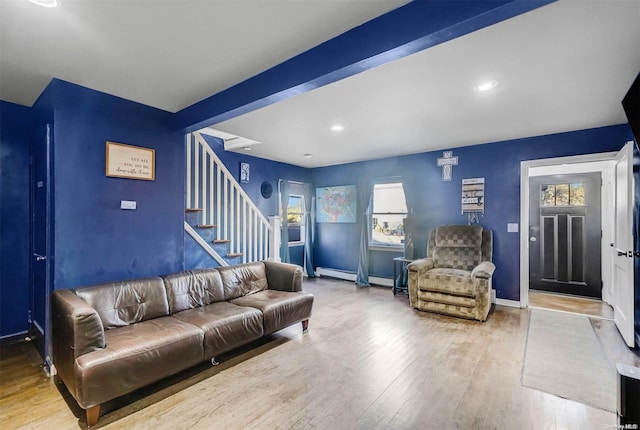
{"x":376,"y":246}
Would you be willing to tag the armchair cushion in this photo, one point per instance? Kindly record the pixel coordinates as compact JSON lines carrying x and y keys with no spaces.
{"x":455,"y":282}
{"x":458,"y":247}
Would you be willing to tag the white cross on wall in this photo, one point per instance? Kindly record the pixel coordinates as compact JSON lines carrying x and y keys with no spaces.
{"x":447,"y":162}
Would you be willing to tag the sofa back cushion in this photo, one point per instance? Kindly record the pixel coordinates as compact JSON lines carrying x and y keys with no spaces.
{"x":123,"y":303}
{"x":243,"y":279}
{"x":458,"y":247}
{"x":192,"y":289}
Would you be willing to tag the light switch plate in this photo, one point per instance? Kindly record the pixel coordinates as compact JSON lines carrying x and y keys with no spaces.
{"x":512,"y":227}
{"x":128,"y":204}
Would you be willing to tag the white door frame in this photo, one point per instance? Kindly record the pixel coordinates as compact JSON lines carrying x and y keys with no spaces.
{"x":560,"y":165}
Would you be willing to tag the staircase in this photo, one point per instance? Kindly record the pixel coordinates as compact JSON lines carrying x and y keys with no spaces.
{"x":220,"y":218}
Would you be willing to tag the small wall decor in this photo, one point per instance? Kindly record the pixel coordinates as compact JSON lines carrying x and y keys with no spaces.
{"x":447,"y":161}
{"x":266,"y":189}
{"x":336,"y":204}
{"x":132,"y":162}
{"x":473,"y":195}
{"x":245,"y":172}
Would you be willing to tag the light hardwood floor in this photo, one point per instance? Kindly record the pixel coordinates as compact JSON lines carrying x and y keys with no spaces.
{"x":573,"y":304}
{"x":369,"y":361}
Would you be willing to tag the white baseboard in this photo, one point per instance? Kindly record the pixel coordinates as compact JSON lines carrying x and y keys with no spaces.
{"x":14,"y":335}
{"x":510,"y":303}
{"x":348,"y":276}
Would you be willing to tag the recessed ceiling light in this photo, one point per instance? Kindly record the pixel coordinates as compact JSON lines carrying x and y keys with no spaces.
{"x":45,"y":3}
{"x":484,"y":86}
{"x":308,"y":155}
{"x":337,"y":127}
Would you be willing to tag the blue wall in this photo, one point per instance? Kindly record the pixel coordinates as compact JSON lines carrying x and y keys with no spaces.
{"x":96,"y":241}
{"x":16,"y":123}
{"x":498,"y":163}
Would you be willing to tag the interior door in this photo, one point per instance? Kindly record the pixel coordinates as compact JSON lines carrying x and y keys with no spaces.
{"x":40,"y":238}
{"x":565,"y":234}
{"x":622,"y":246}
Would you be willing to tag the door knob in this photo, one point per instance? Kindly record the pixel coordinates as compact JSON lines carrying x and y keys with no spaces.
{"x":39,"y":257}
{"x":532,"y":239}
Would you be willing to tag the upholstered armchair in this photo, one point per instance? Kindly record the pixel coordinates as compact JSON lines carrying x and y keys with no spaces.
{"x":455,"y":278}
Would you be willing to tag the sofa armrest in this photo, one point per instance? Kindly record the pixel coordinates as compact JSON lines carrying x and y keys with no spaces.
{"x":421,"y":265}
{"x":283,"y":276}
{"x":483,"y":270}
{"x":77,"y":327}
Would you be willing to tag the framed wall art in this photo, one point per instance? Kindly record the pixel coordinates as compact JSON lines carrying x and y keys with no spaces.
{"x":131,"y":162}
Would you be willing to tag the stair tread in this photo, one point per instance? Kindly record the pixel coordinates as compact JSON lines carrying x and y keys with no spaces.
{"x":221,"y":241}
{"x":206,"y":225}
{"x":193,"y":210}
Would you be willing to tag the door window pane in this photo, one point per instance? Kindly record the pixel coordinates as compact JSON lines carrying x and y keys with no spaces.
{"x":562,"y":195}
{"x":576,"y":195}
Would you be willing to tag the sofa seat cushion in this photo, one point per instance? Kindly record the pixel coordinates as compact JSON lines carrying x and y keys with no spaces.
{"x":135,"y":356}
{"x":225,"y":325}
{"x":448,"y":281}
{"x":279,"y":308}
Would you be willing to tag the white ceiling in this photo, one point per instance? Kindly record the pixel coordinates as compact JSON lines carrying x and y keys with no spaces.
{"x":167,"y":54}
{"x":562,"y":67}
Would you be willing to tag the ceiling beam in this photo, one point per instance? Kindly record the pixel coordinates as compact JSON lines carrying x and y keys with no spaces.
{"x":406,"y":30}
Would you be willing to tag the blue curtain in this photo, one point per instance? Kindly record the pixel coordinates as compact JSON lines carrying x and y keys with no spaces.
{"x":412,"y":198}
{"x":365,"y":190}
{"x":284,"y":203}
{"x":310,"y":227}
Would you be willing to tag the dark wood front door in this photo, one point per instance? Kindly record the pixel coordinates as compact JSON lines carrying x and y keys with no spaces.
{"x":565,"y":234}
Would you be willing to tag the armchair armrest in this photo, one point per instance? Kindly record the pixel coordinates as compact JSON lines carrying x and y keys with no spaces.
{"x":421,"y":265}
{"x":483,"y":270}
{"x":283,"y":276}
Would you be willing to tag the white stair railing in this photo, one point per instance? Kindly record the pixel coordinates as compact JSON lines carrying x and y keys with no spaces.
{"x":214,"y":190}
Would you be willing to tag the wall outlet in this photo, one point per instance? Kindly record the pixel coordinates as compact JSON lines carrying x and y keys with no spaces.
{"x":128,"y":204}
{"x":512,"y":227}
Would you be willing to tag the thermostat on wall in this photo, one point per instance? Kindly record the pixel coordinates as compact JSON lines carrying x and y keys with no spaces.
{"x":128,"y":204}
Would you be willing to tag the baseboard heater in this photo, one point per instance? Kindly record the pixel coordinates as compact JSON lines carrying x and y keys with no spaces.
{"x":350,"y":276}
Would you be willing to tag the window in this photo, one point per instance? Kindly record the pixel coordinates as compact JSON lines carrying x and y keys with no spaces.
{"x":389,"y":211}
{"x":562,"y":195}
{"x":295,"y":220}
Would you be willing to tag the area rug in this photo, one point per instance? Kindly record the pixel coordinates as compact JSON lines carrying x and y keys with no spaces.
{"x":563,"y":357}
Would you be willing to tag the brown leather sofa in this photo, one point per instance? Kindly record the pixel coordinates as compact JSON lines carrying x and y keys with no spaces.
{"x":111,"y":339}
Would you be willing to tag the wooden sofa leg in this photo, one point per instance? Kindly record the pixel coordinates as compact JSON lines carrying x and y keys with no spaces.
{"x":305,"y":325}
{"x":92,"y":415}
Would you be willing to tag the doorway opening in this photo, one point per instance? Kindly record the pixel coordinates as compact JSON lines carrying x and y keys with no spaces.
{"x":567,"y":226}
